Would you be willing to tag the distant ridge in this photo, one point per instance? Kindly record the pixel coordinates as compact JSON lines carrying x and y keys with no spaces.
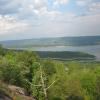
{"x":48,"y":38}
{"x":56,"y":41}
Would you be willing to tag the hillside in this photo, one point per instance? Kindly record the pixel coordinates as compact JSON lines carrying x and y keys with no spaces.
{"x":58,"y":41}
{"x":25,"y":76}
{"x":66,"y":55}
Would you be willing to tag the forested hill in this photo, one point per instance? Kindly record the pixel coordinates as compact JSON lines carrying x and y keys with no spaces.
{"x":58,"y":41}
{"x":25,"y":76}
{"x":66,"y":55}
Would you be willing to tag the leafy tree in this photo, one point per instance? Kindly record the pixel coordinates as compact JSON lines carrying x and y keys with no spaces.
{"x":2,"y":50}
{"x":88,"y":81}
{"x":40,"y":84}
{"x":11,"y":72}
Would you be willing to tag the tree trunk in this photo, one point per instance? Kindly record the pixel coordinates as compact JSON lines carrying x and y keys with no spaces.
{"x":43,"y":85}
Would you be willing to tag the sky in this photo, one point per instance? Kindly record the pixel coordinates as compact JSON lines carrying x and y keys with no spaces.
{"x":22,"y":19}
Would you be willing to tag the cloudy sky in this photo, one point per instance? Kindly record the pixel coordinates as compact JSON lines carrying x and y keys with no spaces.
{"x":21,"y":19}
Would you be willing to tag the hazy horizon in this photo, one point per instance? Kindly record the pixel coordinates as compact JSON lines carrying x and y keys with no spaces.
{"x":48,"y":37}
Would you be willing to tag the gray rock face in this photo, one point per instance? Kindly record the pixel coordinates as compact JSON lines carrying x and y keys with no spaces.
{"x":4,"y":97}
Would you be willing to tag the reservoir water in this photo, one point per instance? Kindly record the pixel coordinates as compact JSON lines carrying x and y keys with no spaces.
{"x":91,"y":49}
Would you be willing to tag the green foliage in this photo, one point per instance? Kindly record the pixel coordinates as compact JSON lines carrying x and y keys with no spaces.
{"x":15,"y":67}
{"x":11,"y":72}
{"x":62,"y":55}
{"x":88,"y":81}
{"x":49,"y":67}
{"x":2,"y":50}
{"x":69,"y":80}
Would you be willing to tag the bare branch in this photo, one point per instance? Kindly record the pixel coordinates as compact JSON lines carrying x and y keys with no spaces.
{"x":51,"y":84}
{"x":38,"y":85}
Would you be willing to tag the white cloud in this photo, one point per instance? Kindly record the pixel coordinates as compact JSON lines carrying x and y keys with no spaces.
{"x":94,"y":8}
{"x":46,"y":15}
{"x":38,"y":4}
{"x":8,"y":23}
{"x":33,"y":18}
{"x":82,"y":3}
{"x":83,"y":25}
{"x":60,"y":2}
{"x":8,"y":7}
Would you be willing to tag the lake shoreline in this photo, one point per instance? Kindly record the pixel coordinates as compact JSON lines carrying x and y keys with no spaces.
{"x":62,"y":55}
